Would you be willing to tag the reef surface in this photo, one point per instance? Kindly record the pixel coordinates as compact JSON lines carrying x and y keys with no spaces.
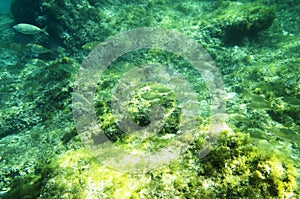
{"x":255,"y":46}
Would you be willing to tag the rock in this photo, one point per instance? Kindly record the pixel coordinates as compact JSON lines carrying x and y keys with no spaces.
{"x":232,"y":21}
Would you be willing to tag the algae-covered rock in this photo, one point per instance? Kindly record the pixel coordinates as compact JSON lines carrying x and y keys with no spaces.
{"x":232,"y":21}
{"x":234,"y":169}
{"x":44,"y":87}
{"x":261,"y":72}
{"x":78,"y":22}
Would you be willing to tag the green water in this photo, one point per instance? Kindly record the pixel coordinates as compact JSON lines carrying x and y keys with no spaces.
{"x":222,"y":75}
{"x":5,"y":5}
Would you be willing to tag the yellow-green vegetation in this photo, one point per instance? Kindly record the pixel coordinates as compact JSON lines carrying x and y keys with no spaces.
{"x":236,"y":163}
{"x":77,"y":174}
{"x":256,"y":51}
{"x":146,"y":95}
{"x":269,"y":99}
{"x":234,"y":169}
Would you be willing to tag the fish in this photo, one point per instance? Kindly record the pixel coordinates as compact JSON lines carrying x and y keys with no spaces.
{"x":257,"y":102}
{"x":294,"y":101}
{"x":262,"y":105}
{"x":69,"y":68}
{"x":90,"y":45}
{"x":37,"y":62}
{"x":238,"y":117}
{"x":29,"y":29}
{"x":80,"y":98}
{"x":257,"y":133}
{"x":286,"y":134}
{"x":13,"y":46}
{"x":38,"y":49}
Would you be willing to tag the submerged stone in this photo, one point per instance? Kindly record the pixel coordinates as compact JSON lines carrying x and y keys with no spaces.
{"x":232,"y":21}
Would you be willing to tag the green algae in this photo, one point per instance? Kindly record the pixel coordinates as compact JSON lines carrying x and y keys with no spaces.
{"x":235,"y":168}
{"x":233,"y":163}
{"x":232,"y":21}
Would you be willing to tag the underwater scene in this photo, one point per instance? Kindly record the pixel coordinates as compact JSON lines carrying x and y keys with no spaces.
{"x":149,"y":99}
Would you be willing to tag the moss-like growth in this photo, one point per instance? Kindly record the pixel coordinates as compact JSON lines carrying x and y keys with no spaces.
{"x":232,"y":21}
{"x":234,"y":169}
{"x":25,"y":187}
{"x":266,"y":104}
{"x":77,"y":174}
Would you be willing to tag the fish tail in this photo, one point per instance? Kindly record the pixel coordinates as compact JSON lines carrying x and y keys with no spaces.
{"x":44,"y":31}
{"x":52,"y":51}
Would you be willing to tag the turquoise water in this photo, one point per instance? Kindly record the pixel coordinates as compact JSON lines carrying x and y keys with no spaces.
{"x":149,"y":99}
{"x":5,"y":5}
